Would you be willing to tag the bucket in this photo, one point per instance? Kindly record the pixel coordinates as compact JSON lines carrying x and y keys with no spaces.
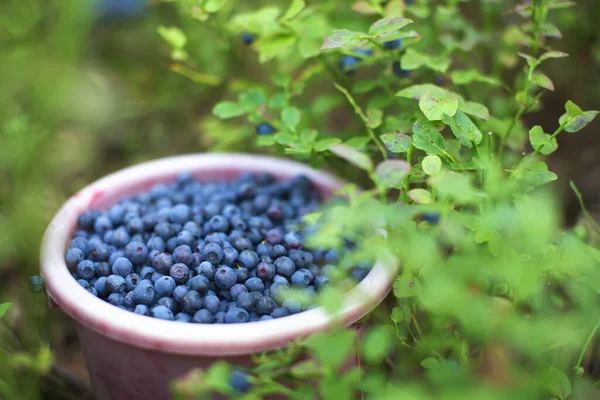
{"x":130,"y":356}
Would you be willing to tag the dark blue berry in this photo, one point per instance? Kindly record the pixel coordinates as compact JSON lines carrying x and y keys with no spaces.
{"x":102,"y":224}
{"x":164,"y":286}
{"x":264,"y":305}
{"x":293,"y":306}
{"x":192,"y":302}
{"x":265,"y":271}
{"x":348,"y":64}
{"x":170,"y":303}
{"x":236,"y":315}
{"x":132,"y":280}
{"x":246,"y":301}
{"x":162,"y":263}
{"x":392,"y":44}
{"x":122,"y":266}
{"x":137,"y":252}
{"x":301,"y":278}
{"x":116,"y":299}
{"x":162,"y":312}
{"x":264,"y":128}
{"x":431,"y":217}
{"x":248,"y":259}
{"x":183,"y":317}
{"x":203,"y":316}
{"x":321,"y":281}
{"x":285,"y":266}
{"x":142,"y":309}
{"x":225,"y":277}
{"x":220,"y":317}
{"x":255,"y":284}
{"x":180,"y":273}
{"x":236,"y":290}
{"x":279,"y":312}
{"x":199,"y":283}
{"x":180,"y":214}
{"x":212,"y":303}
{"x":213,"y":253}
{"x":180,"y":292}
{"x":73,"y":258}
{"x":292,"y":240}
{"x":247,"y":38}
{"x":86,"y":269}
{"x":144,"y":292}
{"x":86,"y":219}
{"x":398,"y":71}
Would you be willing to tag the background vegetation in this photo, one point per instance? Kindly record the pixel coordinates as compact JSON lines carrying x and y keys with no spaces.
{"x":90,"y":87}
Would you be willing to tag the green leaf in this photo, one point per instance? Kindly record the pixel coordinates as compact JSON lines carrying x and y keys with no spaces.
{"x":455,"y":185}
{"x":339,"y":38}
{"x":358,"y":142}
{"x":475,"y":109}
{"x":306,"y":369}
{"x":252,"y":99}
{"x":463,"y":77}
{"x":464,"y":129}
{"x":416,"y":92}
{"x":374,"y":117}
{"x":396,"y":142}
{"x":364,"y":86}
{"x":397,"y":315}
{"x":420,"y":196}
{"x":173,"y":35}
{"x":294,"y":9}
{"x":391,"y":173}
{"x":324,"y":144}
{"x":213,"y":6}
{"x":352,"y":155}
{"x":269,"y":47}
{"x":406,"y":285}
{"x":432,"y":165}
{"x":4,"y":308}
{"x":552,"y":54}
{"x":430,"y":362}
{"x":332,"y":348}
{"x":228,"y":109}
{"x":435,"y":107}
{"x":290,"y":116}
{"x":541,"y":141}
{"x":387,"y":26}
{"x":413,"y":59}
{"x":428,"y":139}
{"x":376,"y":344}
{"x":531,"y":173}
{"x":557,"y":383}
{"x":575,"y":119}
{"x":266,"y":140}
{"x":542,"y":80}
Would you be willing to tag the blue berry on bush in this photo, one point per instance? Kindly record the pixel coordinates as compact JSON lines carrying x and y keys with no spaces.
{"x":398,"y":71}
{"x":247,"y":38}
{"x":348,"y":64}
{"x":264,"y":128}
{"x":392,"y":44}
{"x":431,"y":217}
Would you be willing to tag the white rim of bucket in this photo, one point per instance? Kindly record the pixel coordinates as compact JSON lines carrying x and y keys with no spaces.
{"x":190,"y":338}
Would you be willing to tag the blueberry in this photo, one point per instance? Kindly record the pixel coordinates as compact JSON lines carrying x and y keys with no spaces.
{"x":246,"y":301}
{"x":364,"y":52}
{"x":146,"y":272}
{"x":392,"y":44}
{"x":120,"y":237}
{"x":116,"y":299}
{"x":211,"y":303}
{"x":162,"y":263}
{"x":142,"y":309}
{"x":144,"y":293}
{"x":225,"y":277}
{"x":180,"y":213}
{"x":278,"y":251}
{"x":264,"y":249}
{"x":292,"y":240}
{"x":219,"y":223}
{"x":264,"y":305}
{"x":135,"y":225}
{"x":170,"y":303}
{"x":321,"y":281}
{"x":300,"y":258}
{"x":86,"y":269}
{"x":102,"y":224}
{"x":183,"y":317}
{"x":132,"y":280}
{"x":301,"y":278}
{"x":248,"y":259}
{"x":73,"y":258}
{"x":137,"y":252}
{"x":180,"y":292}
{"x":99,"y":251}
{"x":191,"y":302}
{"x":128,"y":301}
{"x":220,"y":317}
{"x":247,"y":38}
{"x":255,"y":284}
{"x":162,"y":312}
{"x":203,"y":316}
{"x":213,"y":253}
{"x":199,"y":284}
{"x":230,"y":256}
{"x":348,"y":64}
{"x":358,"y":274}
{"x":100,"y":286}
{"x":398,"y":71}
{"x":156,"y":243}
{"x":236,"y":315}
{"x":242,"y":275}
{"x":265,"y":271}
{"x":264,"y":128}
{"x":293,"y":306}
{"x":164,"y":230}
{"x":431,"y":217}
{"x":115,"y":284}
{"x":164,"y":286}
{"x":86,"y":219}
{"x":206,"y":269}
{"x":331,"y":257}
{"x":122,"y":266}
{"x":279,"y":312}
{"x":265,"y":318}
{"x":236,"y":290}
{"x":285,"y":266}
{"x":80,"y":243}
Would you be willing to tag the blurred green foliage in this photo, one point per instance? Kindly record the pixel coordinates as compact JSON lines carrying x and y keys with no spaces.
{"x":487,"y":300}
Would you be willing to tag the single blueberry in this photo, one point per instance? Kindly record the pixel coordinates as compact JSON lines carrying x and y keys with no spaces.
{"x":292,"y":240}
{"x":116,"y":299}
{"x":122,"y":266}
{"x":86,"y":219}
{"x":102,"y":224}
{"x":265,"y":318}
{"x":236,"y":290}
{"x":431,"y":217}
{"x":192,"y":302}
{"x":142,"y":309}
{"x":285,"y":266}
{"x":264,"y":128}
{"x":293,"y":306}
{"x":220,"y":317}
{"x":211,"y":303}
{"x":246,"y":301}
{"x":170,"y":303}
{"x":364,"y":52}
{"x":247,"y":38}
{"x":86,"y":269}
{"x":146,"y":272}
{"x":236,"y":315}
{"x":301,"y":278}
{"x":320,"y":281}
{"x":348,"y":64}
{"x":180,"y":213}
{"x":203,"y":316}
{"x":248,"y":259}
{"x":392,"y":44}
{"x":398,"y":71}
{"x":144,"y":293}
{"x":264,"y":305}
{"x":183,"y":317}
{"x":131,"y":280}
{"x":225,"y":277}
{"x":162,"y":263}
{"x":162,"y":312}
{"x":164,"y":286}
{"x":156,"y":243}
{"x":198,"y":283}
{"x":278,"y":251}
{"x":128,"y":301}
{"x":135,"y":225}
{"x":73,"y":258}
{"x":219,"y":223}
{"x":279,"y":312}
{"x":212,"y":252}
{"x":255,"y":284}
{"x":180,"y":292}
{"x":265,"y":271}
{"x":137,"y":252}
{"x":230,"y":256}
{"x":300,"y":258}
{"x":164,"y":230}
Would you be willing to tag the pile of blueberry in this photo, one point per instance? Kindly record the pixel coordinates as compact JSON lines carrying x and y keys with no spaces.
{"x":211,"y":252}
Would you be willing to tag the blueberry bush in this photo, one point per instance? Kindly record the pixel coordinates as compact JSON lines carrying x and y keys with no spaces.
{"x":495,"y":299}
{"x":444,"y":115}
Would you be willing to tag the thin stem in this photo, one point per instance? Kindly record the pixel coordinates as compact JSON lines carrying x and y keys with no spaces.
{"x":407,"y":179}
{"x":587,"y":344}
{"x":554,"y":135}
{"x":582,"y":205}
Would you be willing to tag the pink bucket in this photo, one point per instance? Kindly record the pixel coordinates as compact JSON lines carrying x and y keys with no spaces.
{"x":132,"y":357}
